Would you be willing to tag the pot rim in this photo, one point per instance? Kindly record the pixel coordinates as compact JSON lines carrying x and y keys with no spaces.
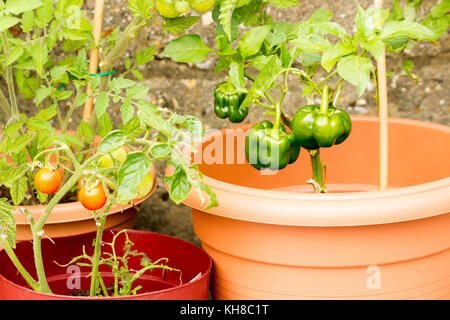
{"x":74,"y":211}
{"x":305,"y":209}
{"x":138,"y":295}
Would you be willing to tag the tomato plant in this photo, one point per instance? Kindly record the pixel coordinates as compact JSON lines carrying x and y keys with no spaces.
{"x":47,"y":180}
{"x":33,"y":34}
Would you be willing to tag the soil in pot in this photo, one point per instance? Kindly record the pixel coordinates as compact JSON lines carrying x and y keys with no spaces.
{"x":71,"y":282}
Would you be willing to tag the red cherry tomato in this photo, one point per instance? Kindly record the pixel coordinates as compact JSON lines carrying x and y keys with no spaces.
{"x":92,"y":198}
{"x":47,"y":180}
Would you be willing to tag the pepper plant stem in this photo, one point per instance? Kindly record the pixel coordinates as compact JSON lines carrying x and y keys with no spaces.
{"x":318,"y":168}
{"x":325,"y":101}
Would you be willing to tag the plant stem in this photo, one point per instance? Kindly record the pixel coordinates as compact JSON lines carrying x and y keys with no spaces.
{"x":31,"y":282}
{"x":38,"y":262}
{"x":325,"y":101}
{"x":9,"y":77}
{"x":97,"y":251}
{"x":318,"y":179}
{"x":129,"y":34}
{"x":69,"y":113}
{"x":4,"y":104}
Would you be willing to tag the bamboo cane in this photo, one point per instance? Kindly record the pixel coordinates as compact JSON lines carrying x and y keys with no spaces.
{"x":93,"y":61}
{"x":383,"y":115}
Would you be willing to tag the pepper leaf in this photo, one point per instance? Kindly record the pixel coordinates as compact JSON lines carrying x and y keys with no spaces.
{"x":356,"y":70}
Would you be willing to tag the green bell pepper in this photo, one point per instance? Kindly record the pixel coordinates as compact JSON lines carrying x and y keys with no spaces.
{"x":317,"y":127}
{"x":227,"y":103}
{"x":266,"y":147}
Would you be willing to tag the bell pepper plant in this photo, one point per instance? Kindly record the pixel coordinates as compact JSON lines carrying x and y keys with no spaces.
{"x":261,"y":56}
{"x":41,"y":161}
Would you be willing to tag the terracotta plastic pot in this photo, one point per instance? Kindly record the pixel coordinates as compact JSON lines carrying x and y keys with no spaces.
{"x":194,"y":263}
{"x":272,"y":238}
{"x":72,"y":218}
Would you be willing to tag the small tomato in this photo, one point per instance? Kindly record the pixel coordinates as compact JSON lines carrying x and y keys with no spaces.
{"x":119,"y":155}
{"x":47,"y":180}
{"x":202,"y":6}
{"x":167,"y":8}
{"x":145,"y":186}
{"x":92,"y":198}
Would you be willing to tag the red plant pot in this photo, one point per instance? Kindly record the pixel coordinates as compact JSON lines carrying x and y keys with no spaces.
{"x":194,"y":263}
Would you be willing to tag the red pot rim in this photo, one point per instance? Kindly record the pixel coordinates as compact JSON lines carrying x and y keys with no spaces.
{"x":138,"y":295}
{"x":74,"y":211}
{"x":429,"y":199}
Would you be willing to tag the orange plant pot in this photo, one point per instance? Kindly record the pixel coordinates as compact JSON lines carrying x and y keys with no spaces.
{"x":272,"y":238}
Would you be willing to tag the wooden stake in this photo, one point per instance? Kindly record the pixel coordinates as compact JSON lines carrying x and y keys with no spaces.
{"x":93,"y":62}
{"x":383,"y":115}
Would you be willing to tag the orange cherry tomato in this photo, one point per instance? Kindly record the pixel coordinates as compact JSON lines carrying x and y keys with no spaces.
{"x":92,"y":198}
{"x":47,"y":180}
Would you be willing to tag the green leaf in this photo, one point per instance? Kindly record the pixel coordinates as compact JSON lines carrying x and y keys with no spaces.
{"x":284,"y":3}
{"x":399,"y":30}
{"x":141,"y":8}
{"x":332,"y":54}
{"x":236,"y":74}
{"x":120,"y":83}
{"x":8,"y":176}
{"x":308,"y":40}
{"x":151,"y":116}
{"x":188,"y":48}
{"x":27,"y":21}
{"x":14,"y":54}
{"x":375,"y":46}
{"x":356,"y":70}
{"x":269,"y":73}
{"x":179,"y":24}
{"x":105,"y":125}
{"x":101,"y":104}
{"x":138,"y":75}
{"x":251,"y":41}
{"x":43,"y":93}
{"x":331,"y":28}
{"x":133,"y":127}
{"x":178,"y":185}
{"x":7,"y":223}
{"x":127,"y":111}
{"x":59,"y":74}
{"x":321,"y":15}
{"x":131,"y":173}
{"x":7,"y":22}
{"x":146,"y":55}
{"x":15,"y":145}
{"x":18,"y":189}
{"x":137,"y":92}
{"x":47,"y":113}
{"x":18,"y":6}
{"x":39,"y":54}
{"x":226,"y":12}
{"x":112,"y":141}
{"x":160,"y":150}
{"x":369,"y":22}
{"x":86,"y":131}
